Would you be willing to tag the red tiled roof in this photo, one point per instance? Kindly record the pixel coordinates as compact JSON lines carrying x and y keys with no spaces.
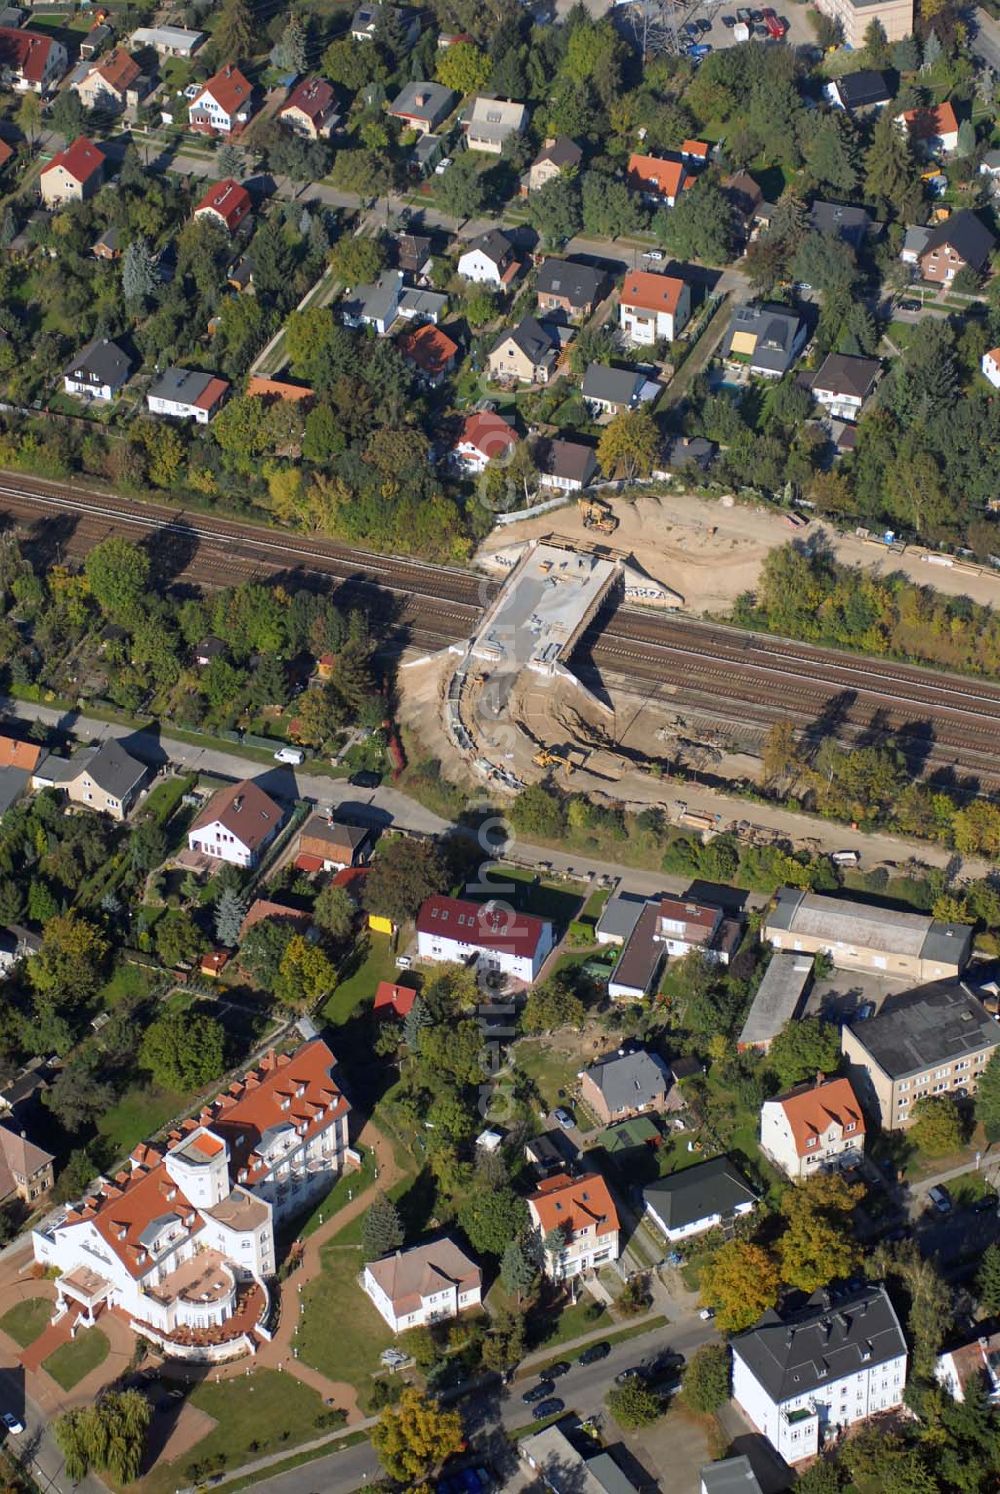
{"x":429,"y":348}
{"x":484,"y":925}
{"x":15,"y":754}
{"x":6,"y":152}
{"x":309,"y":864}
{"x":652,"y":292}
{"x":211,"y":394}
{"x":389,"y":996}
{"x":313,"y":97}
{"x":698,"y":919}
{"x":244,"y":810}
{"x":652,"y":174}
{"x":926,"y":123}
{"x":262,"y":908}
{"x":284,"y":1090}
{"x":81,"y":160}
{"x":25,"y":52}
{"x":350,"y":877}
{"x":228,"y":88}
{"x":228,"y":201}
{"x":490,"y":434}
{"x":810,"y":1111}
{"x":574,"y":1203}
{"x":696,"y":148}
{"x":118,"y":70}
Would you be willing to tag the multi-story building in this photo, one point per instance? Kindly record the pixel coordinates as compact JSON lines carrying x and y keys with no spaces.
{"x":311,"y":109}
{"x":558,"y":154}
{"x":626,"y":1084}
{"x":855,"y":16}
{"x":457,"y":930}
{"x":659,"y":180}
{"x":489,"y":123}
{"x":107,"y":83}
{"x":236,"y":824}
{"x":74,"y":174}
{"x":859,"y":936}
{"x":30,"y":62}
{"x":683,"y":925}
{"x":807,"y":1374}
{"x":187,"y":394}
{"x":181,"y":1241}
{"x":226,"y":204}
{"x":815,"y":1126}
{"x":653,"y":307}
{"x":424,"y":1285}
{"x":933,"y":1041}
{"x":578,"y":1222}
{"x":224,"y":105}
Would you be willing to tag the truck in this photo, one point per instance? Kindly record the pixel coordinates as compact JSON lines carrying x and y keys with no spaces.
{"x":774,"y":24}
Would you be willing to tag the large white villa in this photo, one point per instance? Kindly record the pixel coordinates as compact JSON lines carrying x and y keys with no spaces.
{"x":182,"y":1242}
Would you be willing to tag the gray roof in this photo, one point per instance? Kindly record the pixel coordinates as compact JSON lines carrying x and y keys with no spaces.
{"x":378,"y":302}
{"x":580,"y":284}
{"x":609,"y":1476}
{"x":494,"y":244}
{"x":915,"y":239}
{"x":114,"y":770}
{"x":183,"y":385}
{"x":104,"y":360}
{"x":532,"y":338}
{"x":425,"y":101}
{"x":732,"y":1476}
{"x":828,"y":1339}
{"x":841,"y":921}
{"x":620,"y":915}
{"x":413,"y":250}
{"x":642,"y":956}
{"x":936,"y":1024}
{"x":776,"y":329}
{"x":418,"y":302}
{"x":681,"y":451}
{"x":992,"y":160}
{"x":843,"y":374}
{"x":713,"y":1187}
{"x":566,"y":1471}
{"x":568,"y":459}
{"x":849,"y":223}
{"x":13,"y":783}
{"x":619,"y":386}
{"x":862,"y":89}
{"x":777,"y":998}
{"x":967,"y":235}
{"x":426,"y":148}
{"x":562,"y":152}
{"x":631,"y":1080}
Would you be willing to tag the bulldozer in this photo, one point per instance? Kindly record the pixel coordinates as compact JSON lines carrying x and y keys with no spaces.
{"x":597,"y":515}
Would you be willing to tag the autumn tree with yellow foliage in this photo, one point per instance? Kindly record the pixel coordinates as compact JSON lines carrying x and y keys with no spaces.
{"x":741,"y":1282}
{"x":415,"y":1437}
{"x":818,"y":1246}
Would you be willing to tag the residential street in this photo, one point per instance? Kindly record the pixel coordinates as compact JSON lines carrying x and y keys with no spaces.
{"x":35,"y":1447}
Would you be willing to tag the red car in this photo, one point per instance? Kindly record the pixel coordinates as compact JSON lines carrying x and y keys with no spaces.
{"x":774,"y":24}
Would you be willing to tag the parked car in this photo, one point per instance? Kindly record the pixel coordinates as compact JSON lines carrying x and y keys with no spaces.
{"x":729,"y":22}
{"x":700,"y":52}
{"x":538,"y":1392}
{"x":293,"y":756}
{"x":690,"y":29}
{"x":845,"y":858}
{"x":13,"y":1423}
{"x":707,"y":1314}
{"x":653,"y":254}
{"x":625,"y":1375}
{"x":365,"y":779}
{"x":566,"y":1118}
{"x":703,"y":25}
{"x":940,"y":1198}
{"x":910,"y":305}
{"x":743,"y":16}
{"x":986,"y":1204}
{"x":865,"y":1010}
{"x":557,"y":1370}
{"x":594,"y":1353}
{"x":554,"y":1407}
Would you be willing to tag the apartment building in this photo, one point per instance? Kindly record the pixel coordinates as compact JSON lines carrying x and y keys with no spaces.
{"x":855,"y":16}
{"x":458,"y":930}
{"x":858,"y":936}
{"x":814,"y":1127}
{"x":583,"y":1213}
{"x":933,"y":1041}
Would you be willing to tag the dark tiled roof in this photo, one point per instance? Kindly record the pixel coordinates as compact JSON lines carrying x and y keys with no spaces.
{"x":967,"y":235}
{"x":699,"y":1192}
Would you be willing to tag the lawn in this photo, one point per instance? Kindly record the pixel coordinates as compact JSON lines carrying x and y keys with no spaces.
{"x":160,"y":804}
{"x":377,"y":963}
{"x":348,"y":1186}
{"x":583,"y":1317}
{"x":341,"y":1334}
{"x":553,"y":1072}
{"x":254,"y":1416}
{"x":969,"y":1188}
{"x":558,"y":901}
{"x":72,"y":1362}
{"x":126,"y":980}
{"x":140,"y":1112}
{"x":27,"y":1321}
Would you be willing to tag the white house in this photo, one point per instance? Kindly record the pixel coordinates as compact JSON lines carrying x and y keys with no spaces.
{"x":484,"y":437}
{"x":837,"y":1361}
{"x":186,"y":394}
{"x":578,"y":1223}
{"x":816,"y":1126}
{"x":98,"y":371}
{"x":489,"y":260}
{"x":991,"y":366}
{"x":698,"y":1198}
{"x":224,"y":105}
{"x":683,"y":925}
{"x":652,"y":307}
{"x":423,"y":1285}
{"x":457,"y":930}
{"x":375,"y":305}
{"x":29,"y":61}
{"x":843,"y":383}
{"x":971,"y":1366}
{"x":236,"y":824}
{"x":182,"y":1240}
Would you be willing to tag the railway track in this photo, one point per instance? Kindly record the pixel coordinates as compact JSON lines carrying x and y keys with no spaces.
{"x":951,"y":721}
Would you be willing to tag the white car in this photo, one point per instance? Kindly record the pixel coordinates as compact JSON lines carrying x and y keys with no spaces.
{"x":13,"y":1423}
{"x":294,"y":756}
{"x":442,"y":166}
{"x":654,"y":254}
{"x":192,"y":90}
{"x":707,"y":1314}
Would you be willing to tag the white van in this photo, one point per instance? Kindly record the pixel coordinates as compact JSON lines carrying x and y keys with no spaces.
{"x":845,"y":858}
{"x":293,"y":756}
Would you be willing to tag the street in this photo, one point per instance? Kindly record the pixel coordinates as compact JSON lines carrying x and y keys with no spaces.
{"x":35,"y":1447}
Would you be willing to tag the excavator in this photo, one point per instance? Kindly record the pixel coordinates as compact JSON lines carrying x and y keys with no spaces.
{"x":597,"y":515}
{"x":546,"y":758}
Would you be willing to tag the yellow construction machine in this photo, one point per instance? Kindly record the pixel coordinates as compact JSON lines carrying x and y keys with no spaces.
{"x":546,"y":758}
{"x":597,"y":515}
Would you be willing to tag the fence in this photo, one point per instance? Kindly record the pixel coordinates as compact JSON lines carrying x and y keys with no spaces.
{"x":531,"y":513}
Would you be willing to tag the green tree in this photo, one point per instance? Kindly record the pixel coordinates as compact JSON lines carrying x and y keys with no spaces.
{"x":492,"y":1218}
{"x":701,"y":224}
{"x":988,"y":1098}
{"x":741,"y":1282}
{"x":235,"y":31}
{"x":306,"y":974}
{"x":230,"y":911}
{"x":504,"y":1345}
{"x":183,"y":1049}
{"x":29,"y":117}
{"x":382,"y":1231}
{"x":263,"y":950}
{"x":289,"y":53}
{"x":892,"y":179}
{"x":609,"y":208}
{"x":415,"y":1437}
{"x":937,"y":1125}
{"x":634,"y":1405}
{"x":72,"y":960}
{"x":357,"y":261}
{"x":552,"y":1005}
{"x":988,"y":1281}
{"x":556,"y":210}
{"x":539,"y":811}
{"x":966,"y":139}
{"x":117,"y":573}
{"x":349,"y":63}
{"x":403,"y":874}
{"x":629,"y":445}
{"x":179,"y":941}
{"x":518,"y":1272}
{"x":461,"y":192}
{"x":876,"y":44}
{"x":335,"y":912}
{"x":803,"y":1049}
{"x":706,"y":1378}
{"x":463,"y":68}
{"x":80,"y":1093}
{"x":138,"y":274}
{"x":818,"y":1245}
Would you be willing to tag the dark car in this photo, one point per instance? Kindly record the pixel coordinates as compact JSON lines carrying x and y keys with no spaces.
{"x":910,"y":305}
{"x":554,"y":1371}
{"x":365,"y":779}
{"x":637,"y":1372}
{"x":538,"y":1392}
{"x":703,"y":25}
{"x":594,"y":1353}
{"x":729,"y":22}
{"x":756,"y":16}
{"x":554,"y":1407}
{"x":761,"y":31}
{"x":985,"y":1205}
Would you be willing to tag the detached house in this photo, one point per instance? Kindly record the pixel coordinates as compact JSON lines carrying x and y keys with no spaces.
{"x":491,"y":122}
{"x":459,"y":931}
{"x":489,"y":260}
{"x":107,"y":83}
{"x":659,"y":181}
{"x":311,"y":109}
{"x":30,"y":62}
{"x":98,"y":371}
{"x":105,"y":778}
{"x":627,"y":1084}
{"x":653,"y":307}
{"x":569,"y":289}
{"x":804,"y":1375}
{"x":224,"y":105}
{"x":528,"y":354}
{"x":424,"y":1285}
{"x":991,"y":367}
{"x":698,"y":1198}
{"x":236,"y":824}
{"x":608,"y":391}
{"x":329,"y":844}
{"x":423,"y":106}
{"x":867,"y":89}
{"x":375,"y":305}
{"x":25,"y":1169}
{"x":843,"y":384}
{"x":187,"y":394}
{"x":683,"y":925}
{"x":227,"y":204}
{"x":583,"y":1213}
{"x":815,"y":1126}
{"x":73,"y":174}
{"x":933,"y":130}
{"x":431,"y":352}
{"x":558,"y":155}
{"x":484,"y":437}
{"x":567,"y":465}
{"x":962,"y":240}
{"x":768,"y":339}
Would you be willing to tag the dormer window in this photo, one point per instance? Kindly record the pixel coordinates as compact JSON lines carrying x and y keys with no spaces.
{"x":241,"y":1176}
{"x":810,"y":1141}
{"x":286,"y":1103}
{"x":300,"y":1091}
{"x":850,"y":1126}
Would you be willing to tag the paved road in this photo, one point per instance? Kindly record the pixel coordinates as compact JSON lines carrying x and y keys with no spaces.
{"x":986,"y":42}
{"x":35,"y":1446}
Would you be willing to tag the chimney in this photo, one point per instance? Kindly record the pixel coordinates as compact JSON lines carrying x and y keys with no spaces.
{"x":550,"y":141}
{"x":820,"y":1078}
